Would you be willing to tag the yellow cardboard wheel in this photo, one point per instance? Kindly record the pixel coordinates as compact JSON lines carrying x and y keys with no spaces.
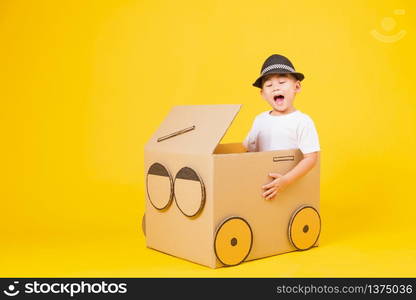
{"x":159,"y":185}
{"x":189,"y":192}
{"x":233,"y":241}
{"x":304,"y":228}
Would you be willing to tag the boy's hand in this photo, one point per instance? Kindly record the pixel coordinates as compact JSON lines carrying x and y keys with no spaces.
{"x":279,"y":183}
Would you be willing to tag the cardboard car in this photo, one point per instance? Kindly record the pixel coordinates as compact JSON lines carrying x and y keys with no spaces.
{"x":204,"y":199}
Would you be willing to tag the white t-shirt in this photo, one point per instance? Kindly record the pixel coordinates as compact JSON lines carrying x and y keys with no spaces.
{"x":295,"y":130}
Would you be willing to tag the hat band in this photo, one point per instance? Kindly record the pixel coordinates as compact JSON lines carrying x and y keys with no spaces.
{"x":277,"y":66}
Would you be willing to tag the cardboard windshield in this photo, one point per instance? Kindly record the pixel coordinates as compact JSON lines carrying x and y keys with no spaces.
{"x":193,"y":128}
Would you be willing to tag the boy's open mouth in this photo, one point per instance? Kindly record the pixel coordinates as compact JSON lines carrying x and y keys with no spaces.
{"x":279,"y":98}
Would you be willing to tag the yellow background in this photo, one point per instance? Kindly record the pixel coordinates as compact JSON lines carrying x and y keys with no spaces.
{"x":84,"y":84}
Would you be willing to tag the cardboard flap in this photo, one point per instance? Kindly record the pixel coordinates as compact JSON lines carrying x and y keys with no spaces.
{"x":193,"y":128}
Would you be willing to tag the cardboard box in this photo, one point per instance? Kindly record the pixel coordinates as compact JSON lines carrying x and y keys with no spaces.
{"x":204,"y":200}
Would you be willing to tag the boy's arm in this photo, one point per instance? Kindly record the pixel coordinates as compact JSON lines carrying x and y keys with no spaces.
{"x":280,"y":182}
{"x":304,"y":166}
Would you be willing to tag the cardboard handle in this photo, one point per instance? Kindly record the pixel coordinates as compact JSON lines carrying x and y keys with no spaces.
{"x":176,"y":133}
{"x":283,"y":158}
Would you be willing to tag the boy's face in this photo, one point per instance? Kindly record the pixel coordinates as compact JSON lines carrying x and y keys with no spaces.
{"x":279,"y":90}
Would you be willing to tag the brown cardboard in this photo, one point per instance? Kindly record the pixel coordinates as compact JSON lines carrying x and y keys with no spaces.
{"x":210,"y":123}
{"x":217,"y":189}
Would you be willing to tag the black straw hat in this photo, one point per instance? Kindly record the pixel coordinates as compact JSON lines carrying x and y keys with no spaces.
{"x":277,"y":64}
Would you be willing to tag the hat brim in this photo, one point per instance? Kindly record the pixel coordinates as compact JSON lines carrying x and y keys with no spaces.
{"x":297,"y":75}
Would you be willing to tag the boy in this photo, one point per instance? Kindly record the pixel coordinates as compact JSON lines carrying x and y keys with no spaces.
{"x":283,"y":127}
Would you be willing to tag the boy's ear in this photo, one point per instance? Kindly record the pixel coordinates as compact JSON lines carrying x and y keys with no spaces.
{"x":298,"y":86}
